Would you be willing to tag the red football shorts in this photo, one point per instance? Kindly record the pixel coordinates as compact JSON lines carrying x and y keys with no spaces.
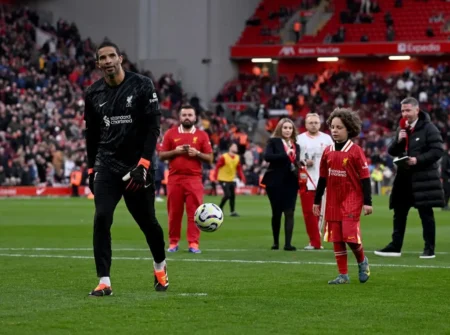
{"x":343,"y":231}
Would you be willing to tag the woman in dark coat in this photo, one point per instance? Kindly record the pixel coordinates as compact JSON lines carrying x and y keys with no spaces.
{"x":281,"y":179}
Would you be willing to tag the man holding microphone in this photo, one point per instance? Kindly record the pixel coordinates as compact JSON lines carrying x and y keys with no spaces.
{"x":417,"y":183}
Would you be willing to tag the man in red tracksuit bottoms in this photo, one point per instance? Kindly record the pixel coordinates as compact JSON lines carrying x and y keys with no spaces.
{"x":186,"y":148}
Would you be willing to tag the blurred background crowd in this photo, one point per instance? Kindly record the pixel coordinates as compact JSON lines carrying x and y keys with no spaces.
{"x":41,"y":102}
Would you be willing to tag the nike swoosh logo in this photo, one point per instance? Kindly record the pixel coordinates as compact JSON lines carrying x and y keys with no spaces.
{"x":101,"y":105}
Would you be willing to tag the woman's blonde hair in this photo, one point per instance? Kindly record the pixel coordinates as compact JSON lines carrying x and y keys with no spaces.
{"x":277,"y":131}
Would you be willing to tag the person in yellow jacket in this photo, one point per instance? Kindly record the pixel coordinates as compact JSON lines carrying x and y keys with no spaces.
{"x":377,"y":177}
{"x":225,"y":172}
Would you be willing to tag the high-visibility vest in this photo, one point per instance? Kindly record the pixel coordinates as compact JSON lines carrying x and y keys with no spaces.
{"x":75,"y":178}
{"x":377,"y":175}
{"x":242,"y":138}
{"x":228,"y":171}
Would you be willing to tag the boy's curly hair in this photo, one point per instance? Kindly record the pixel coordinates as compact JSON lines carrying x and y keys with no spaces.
{"x":349,"y":118}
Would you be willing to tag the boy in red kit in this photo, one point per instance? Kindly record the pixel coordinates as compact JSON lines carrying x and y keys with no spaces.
{"x":185,"y":147}
{"x":345,"y":174}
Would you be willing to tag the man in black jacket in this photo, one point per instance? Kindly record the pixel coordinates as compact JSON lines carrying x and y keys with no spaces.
{"x":445,"y":175}
{"x":417,"y":184}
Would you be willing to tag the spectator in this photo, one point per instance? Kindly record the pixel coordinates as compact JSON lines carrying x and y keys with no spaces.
{"x":365,"y":6}
{"x":390,"y":34}
{"x":388,"y":19}
{"x":375,"y":7}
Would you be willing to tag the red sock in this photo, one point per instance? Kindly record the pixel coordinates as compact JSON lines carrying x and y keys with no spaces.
{"x":358,"y":251}
{"x":340,"y":252}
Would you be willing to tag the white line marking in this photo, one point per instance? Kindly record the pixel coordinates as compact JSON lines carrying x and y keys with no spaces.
{"x":206,"y":250}
{"x":243,"y":261}
{"x":193,"y":294}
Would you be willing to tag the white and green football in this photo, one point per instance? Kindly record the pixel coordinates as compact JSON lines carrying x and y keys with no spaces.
{"x":208,"y":217}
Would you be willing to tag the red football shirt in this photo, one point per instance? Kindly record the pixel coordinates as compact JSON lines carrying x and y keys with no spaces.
{"x":184,"y":166}
{"x":344,"y":170}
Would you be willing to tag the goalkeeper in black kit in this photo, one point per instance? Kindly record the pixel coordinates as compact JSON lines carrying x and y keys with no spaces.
{"x":122,"y":127}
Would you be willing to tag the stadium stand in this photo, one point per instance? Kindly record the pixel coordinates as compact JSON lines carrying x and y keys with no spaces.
{"x":351,"y":22}
{"x":41,"y":93}
{"x":265,"y":24}
{"x":41,"y":100}
{"x":374,"y":24}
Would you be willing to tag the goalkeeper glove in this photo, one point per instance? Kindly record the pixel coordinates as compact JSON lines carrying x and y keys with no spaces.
{"x":91,"y":175}
{"x":137,"y":177}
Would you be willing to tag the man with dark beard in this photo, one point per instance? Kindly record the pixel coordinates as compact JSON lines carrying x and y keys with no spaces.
{"x":186,"y":148}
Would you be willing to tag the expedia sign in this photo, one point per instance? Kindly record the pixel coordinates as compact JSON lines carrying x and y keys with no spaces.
{"x":418,"y":48}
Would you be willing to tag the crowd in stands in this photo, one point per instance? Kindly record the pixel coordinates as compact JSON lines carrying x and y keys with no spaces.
{"x":376,"y":97}
{"x":270,"y":18}
{"x":362,"y":11}
{"x":41,"y":103}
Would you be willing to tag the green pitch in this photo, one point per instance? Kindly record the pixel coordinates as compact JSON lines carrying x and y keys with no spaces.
{"x":236,"y":286}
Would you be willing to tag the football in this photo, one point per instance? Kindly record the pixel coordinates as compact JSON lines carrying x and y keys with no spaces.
{"x":208,"y":217}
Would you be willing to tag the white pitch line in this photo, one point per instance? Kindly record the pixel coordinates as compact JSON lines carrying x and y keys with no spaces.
{"x":206,"y":250}
{"x":193,"y":294}
{"x":243,"y":261}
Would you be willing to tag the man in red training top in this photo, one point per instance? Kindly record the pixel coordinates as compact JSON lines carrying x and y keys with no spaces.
{"x":185,"y":147}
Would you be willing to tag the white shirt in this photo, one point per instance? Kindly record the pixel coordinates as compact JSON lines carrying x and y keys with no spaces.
{"x":313,"y":147}
{"x":412,"y":125}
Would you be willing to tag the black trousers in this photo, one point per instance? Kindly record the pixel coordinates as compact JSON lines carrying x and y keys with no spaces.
{"x":282,"y":201}
{"x":75,"y":191}
{"x":446,"y":191}
{"x":157,"y":187}
{"x":108,"y":190}
{"x":213,"y":190}
{"x":428,"y":224}
{"x":229,"y":193}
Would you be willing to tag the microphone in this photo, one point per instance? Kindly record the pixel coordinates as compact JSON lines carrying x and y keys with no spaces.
{"x":404,"y":126}
{"x":404,"y":123}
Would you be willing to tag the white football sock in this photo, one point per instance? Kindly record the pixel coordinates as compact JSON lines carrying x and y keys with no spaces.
{"x":159,"y":266}
{"x":105,"y":280}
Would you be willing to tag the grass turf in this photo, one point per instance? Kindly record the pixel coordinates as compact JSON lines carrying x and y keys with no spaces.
{"x":236,"y":286}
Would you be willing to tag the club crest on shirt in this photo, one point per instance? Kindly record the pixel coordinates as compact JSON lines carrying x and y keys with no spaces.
{"x":129,"y":100}
{"x":194,"y":140}
{"x":344,"y":161}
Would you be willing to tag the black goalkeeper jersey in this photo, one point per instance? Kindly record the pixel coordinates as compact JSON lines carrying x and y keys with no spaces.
{"x":122,"y":123}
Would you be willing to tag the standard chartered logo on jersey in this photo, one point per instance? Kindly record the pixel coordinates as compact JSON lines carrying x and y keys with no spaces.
{"x":337,"y":173}
{"x":113,"y":120}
